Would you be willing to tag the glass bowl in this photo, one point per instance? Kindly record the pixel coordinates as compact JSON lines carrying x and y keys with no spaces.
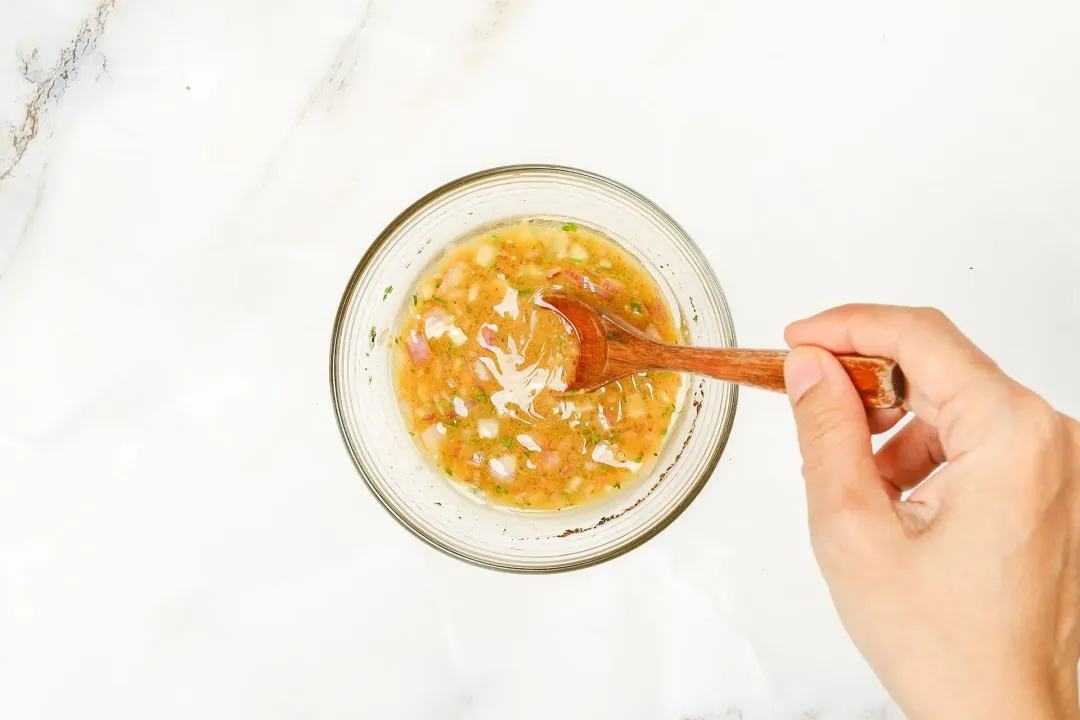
{"x":419,"y":496}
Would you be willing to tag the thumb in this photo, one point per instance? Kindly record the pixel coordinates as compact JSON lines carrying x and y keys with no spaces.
{"x":838,"y":461}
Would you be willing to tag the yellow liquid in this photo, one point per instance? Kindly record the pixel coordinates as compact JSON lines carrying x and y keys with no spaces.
{"x":481,"y":368}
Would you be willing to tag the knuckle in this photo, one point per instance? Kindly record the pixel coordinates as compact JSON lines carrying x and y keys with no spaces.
{"x":931,"y":316}
{"x":1039,"y":421}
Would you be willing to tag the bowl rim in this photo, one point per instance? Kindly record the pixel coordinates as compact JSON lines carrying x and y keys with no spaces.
{"x":420,"y":532}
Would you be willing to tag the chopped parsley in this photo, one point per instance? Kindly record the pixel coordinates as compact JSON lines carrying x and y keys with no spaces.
{"x":371,"y":334}
{"x":480,"y":397}
{"x":438,"y":284}
{"x":449,"y":472}
{"x":591,"y":435}
{"x":524,"y":291}
{"x":640,"y":457}
{"x":500,"y":490}
{"x":389,"y":289}
{"x":496,"y":239}
{"x":569,"y":227}
{"x":664,"y":431}
{"x":618,"y":486}
{"x":439,"y":300}
{"x":446,"y":404}
{"x":635,"y":306}
{"x":414,"y":301}
{"x":493,"y":265}
{"x":507,"y":442}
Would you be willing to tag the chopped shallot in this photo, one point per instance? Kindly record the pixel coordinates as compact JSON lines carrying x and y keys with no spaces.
{"x":549,"y":460}
{"x":432,"y":438}
{"x":585,"y":283}
{"x":503,"y":467}
{"x":455,"y":274}
{"x":488,"y":427}
{"x":419,"y":352}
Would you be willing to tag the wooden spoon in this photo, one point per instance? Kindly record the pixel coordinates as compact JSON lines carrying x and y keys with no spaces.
{"x":610,"y":349}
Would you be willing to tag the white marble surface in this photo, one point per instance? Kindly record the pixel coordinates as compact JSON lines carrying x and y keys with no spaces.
{"x":182,"y":534}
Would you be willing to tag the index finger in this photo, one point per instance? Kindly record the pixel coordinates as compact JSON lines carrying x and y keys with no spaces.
{"x":948,"y":377}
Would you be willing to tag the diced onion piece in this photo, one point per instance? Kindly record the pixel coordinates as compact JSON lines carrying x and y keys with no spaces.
{"x":578,"y":253}
{"x":480,"y":371}
{"x":634,"y":406}
{"x":436,"y":322}
{"x":432,"y":438}
{"x":612,"y":286}
{"x":585,"y":283}
{"x":457,"y":337}
{"x":550,"y":460}
{"x":503,"y":467}
{"x":485,"y":255}
{"x":454,"y":275}
{"x":474,"y":292}
{"x":419,"y":352}
{"x":574,"y":484}
{"x":460,"y":409}
{"x":488,"y":428}
{"x":652,"y":332}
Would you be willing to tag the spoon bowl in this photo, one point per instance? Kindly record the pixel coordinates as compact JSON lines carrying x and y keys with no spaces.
{"x":609,"y":349}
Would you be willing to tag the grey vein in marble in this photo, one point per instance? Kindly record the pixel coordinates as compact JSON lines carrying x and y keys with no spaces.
{"x":50,"y":85}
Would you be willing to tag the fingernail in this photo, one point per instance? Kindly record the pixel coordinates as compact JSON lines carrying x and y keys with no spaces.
{"x":802,"y":371}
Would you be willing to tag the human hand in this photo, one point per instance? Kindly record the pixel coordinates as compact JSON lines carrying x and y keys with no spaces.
{"x":965,"y":598}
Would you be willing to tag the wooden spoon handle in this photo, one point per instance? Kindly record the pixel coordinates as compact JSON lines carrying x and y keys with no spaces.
{"x":880,"y":381}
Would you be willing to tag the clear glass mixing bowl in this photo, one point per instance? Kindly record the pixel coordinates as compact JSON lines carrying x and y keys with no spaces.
{"x":422,"y":498}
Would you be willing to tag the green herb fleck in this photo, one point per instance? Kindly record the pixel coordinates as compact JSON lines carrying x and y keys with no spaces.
{"x":576,"y":262}
{"x":640,"y":457}
{"x":618,"y":486}
{"x":664,"y":431}
{"x":439,"y":300}
{"x":438,"y":284}
{"x":493,"y":265}
{"x":507,"y":442}
{"x":412,"y":434}
{"x":524,"y":291}
{"x":446,"y":404}
{"x":569,"y":227}
{"x":371,"y":334}
{"x":500,"y":490}
{"x":389,"y":289}
{"x":449,"y":472}
{"x":668,"y":410}
{"x":591,"y":435}
{"x":414,"y":301}
{"x":397,"y":340}
{"x":480,"y":397}
{"x":635,"y":306}
{"x":695,"y":318}
{"x":439,"y":504}
{"x":496,"y":239}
